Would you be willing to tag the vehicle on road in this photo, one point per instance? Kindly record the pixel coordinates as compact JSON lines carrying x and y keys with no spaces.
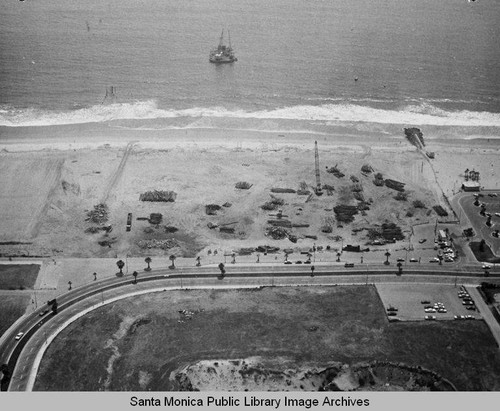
{"x":486,"y":266}
{"x":42,"y":313}
{"x":19,"y":335}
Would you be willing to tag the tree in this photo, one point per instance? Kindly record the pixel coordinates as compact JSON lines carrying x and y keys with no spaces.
{"x":148,"y":261}
{"x":120,"y":265}
{"x":400,"y":268}
{"x":387,"y":254}
{"x":233,"y":255}
{"x":135,"y":274}
{"x":312,"y":270}
{"x":222,"y":271}
{"x":338,"y":257}
{"x":69,"y":285}
{"x":482,"y":243}
{"x":172,"y":258}
{"x":95,"y":276}
{"x":198,"y":261}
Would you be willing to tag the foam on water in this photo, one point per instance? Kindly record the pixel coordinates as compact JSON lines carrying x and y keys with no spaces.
{"x":415,"y":114}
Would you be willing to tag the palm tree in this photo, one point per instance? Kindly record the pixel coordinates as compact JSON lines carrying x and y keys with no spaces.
{"x":338,"y":257}
{"x":198,"y":263}
{"x":222,"y":271}
{"x":400,"y":268}
{"x":312,"y":270}
{"x":258,"y":258}
{"x":387,"y":254}
{"x":135,"y":274}
{"x":95,"y":276}
{"x":69,"y":283}
{"x":120,"y":265}
{"x":148,"y":261}
{"x":234,"y":258}
{"x":172,"y":258}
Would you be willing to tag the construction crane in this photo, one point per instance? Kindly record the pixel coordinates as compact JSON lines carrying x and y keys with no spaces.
{"x":318,"y":190}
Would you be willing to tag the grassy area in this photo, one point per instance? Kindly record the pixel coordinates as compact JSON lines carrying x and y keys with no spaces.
{"x":12,"y":307}
{"x":308,"y":325}
{"x":484,"y":256}
{"x":18,"y":277}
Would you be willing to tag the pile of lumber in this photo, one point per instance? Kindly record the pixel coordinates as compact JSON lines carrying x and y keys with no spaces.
{"x":155,"y":218}
{"x":94,"y":230}
{"x":267,"y":249}
{"x":99,"y":215}
{"x":395,"y":185}
{"x":243,"y":185}
{"x":162,"y":244}
{"x":280,"y":223}
{"x":354,"y":179}
{"x":367,"y":169}
{"x":227,"y":230}
{"x":345,"y":213}
{"x":388,"y":231}
{"x":335,"y":171}
{"x":379,"y":179}
{"x":158,"y":196}
{"x":211,"y":209}
{"x":273,"y":204}
{"x":282,"y":190}
{"x":440,"y":211}
{"x":277,"y":233}
{"x":358,"y":196}
{"x":170,"y":229}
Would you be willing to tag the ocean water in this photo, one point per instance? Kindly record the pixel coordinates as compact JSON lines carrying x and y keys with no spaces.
{"x":417,"y":62}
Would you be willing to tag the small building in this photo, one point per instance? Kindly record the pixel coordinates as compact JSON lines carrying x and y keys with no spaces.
{"x":471,"y":186}
{"x":442,"y":235}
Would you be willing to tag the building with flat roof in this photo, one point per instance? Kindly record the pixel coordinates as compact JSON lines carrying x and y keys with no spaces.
{"x":471,"y":186}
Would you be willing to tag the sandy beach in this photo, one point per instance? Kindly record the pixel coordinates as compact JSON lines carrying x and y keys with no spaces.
{"x":51,"y":176}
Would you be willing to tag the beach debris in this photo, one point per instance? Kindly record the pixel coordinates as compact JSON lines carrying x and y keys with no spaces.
{"x":430,"y":154}
{"x":243,"y":185}
{"x":415,"y":137}
{"x":395,"y":185}
{"x":354,"y":179}
{"x":303,"y":192}
{"x":280,"y":223}
{"x":148,"y":230}
{"x":282,"y":190}
{"x":211,"y":225}
{"x":277,"y":233}
{"x":300,"y":225}
{"x":345,"y":213}
{"x":226,"y":230}
{"x":170,"y":229}
{"x":158,"y":196}
{"x":94,"y":230}
{"x":227,"y":205}
{"x":107,"y":242}
{"x":162,"y":244}
{"x":211,"y":209}
{"x":155,"y":218}
{"x":440,"y":211}
{"x":245,"y":251}
{"x":99,"y":215}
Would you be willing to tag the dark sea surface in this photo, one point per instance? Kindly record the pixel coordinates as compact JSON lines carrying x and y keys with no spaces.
{"x":417,"y":62}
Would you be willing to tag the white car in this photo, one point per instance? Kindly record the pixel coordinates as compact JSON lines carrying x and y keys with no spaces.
{"x":430,"y":310}
{"x":497,"y":214}
{"x":19,"y":336}
{"x":486,"y":266}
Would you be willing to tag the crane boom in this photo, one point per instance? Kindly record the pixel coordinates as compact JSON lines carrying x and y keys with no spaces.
{"x":316,"y":163}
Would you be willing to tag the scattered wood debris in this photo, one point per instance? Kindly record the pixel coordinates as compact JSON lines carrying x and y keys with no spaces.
{"x":158,"y":196}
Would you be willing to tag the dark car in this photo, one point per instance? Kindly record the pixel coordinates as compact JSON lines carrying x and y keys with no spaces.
{"x":425,"y":302}
{"x":298,"y":262}
{"x":349,"y":265}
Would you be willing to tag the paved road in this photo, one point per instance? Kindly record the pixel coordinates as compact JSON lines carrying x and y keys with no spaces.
{"x":40,"y":330}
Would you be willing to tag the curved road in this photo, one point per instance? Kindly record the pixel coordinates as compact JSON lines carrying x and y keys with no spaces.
{"x":23,"y":356}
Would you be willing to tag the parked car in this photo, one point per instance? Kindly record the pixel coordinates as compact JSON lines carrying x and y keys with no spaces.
{"x":288,"y":262}
{"x":430,"y":317}
{"x":298,"y":262}
{"x":400,"y":260}
{"x":459,"y":317}
{"x":349,"y":265}
{"x":392,"y":313}
{"x":423,"y":240}
{"x":430,"y":310}
{"x":425,"y":302}
{"x":434,"y":260}
{"x":413,"y":260}
{"x":471,"y":307}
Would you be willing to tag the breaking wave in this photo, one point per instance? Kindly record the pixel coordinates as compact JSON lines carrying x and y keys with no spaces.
{"x":416,"y":114}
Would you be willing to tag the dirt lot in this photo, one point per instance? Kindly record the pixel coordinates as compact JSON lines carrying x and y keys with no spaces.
{"x":407,"y":299}
{"x":12,"y":307}
{"x":18,"y":277}
{"x":142,"y":343}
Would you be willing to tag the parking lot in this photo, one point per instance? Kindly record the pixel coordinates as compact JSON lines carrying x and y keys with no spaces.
{"x":408,"y":298}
